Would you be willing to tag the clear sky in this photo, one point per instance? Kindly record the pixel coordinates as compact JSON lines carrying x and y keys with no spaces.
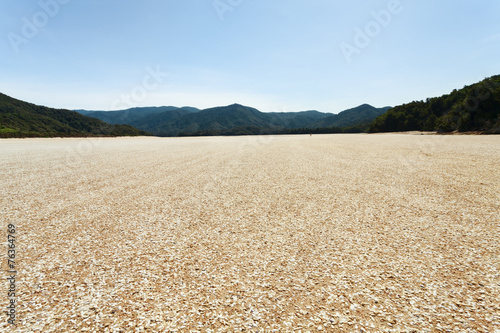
{"x":275,"y":55}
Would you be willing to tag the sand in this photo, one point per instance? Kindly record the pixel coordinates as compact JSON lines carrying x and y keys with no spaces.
{"x":333,"y":233}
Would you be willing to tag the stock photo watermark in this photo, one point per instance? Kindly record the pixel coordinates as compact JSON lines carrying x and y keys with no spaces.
{"x":151,"y":81}
{"x":11,"y":273}
{"x":224,"y":6}
{"x":31,"y":26}
{"x":372,"y":29}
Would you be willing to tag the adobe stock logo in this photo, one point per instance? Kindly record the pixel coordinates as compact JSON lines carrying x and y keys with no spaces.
{"x":363,"y":37}
{"x":151,"y":81}
{"x":31,"y":28}
{"x":223,"y":6}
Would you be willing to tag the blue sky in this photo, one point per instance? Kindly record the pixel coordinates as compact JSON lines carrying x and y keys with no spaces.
{"x":275,"y":55}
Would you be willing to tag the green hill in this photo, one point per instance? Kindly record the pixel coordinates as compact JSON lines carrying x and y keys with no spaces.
{"x":292,"y":120}
{"x":222,"y":118}
{"x":362,"y":114}
{"x":22,"y":119}
{"x":237,"y":120}
{"x":472,"y":108}
{"x":163,"y":123}
{"x":126,"y":116}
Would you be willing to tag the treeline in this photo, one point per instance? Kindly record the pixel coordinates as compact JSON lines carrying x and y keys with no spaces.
{"x":254,"y":130}
{"x":107,"y":131}
{"x":473,"y":108}
{"x":22,"y":119}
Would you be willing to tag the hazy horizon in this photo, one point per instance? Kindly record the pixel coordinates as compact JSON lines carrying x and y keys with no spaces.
{"x":217,"y":106}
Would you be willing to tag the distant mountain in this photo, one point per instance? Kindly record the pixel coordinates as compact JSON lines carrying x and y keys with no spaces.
{"x":126,"y":116}
{"x":234,"y":119}
{"x":472,"y":108}
{"x":361,"y":114}
{"x":163,"y":123}
{"x":222,"y":118}
{"x":22,"y":119}
{"x":296,"y":119}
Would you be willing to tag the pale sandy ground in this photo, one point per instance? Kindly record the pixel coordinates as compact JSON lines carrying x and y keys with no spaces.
{"x":354,"y":233}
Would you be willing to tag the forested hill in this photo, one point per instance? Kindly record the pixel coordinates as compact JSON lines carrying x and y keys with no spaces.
{"x":22,"y":119}
{"x":238,"y":119}
{"x":361,"y":114}
{"x":473,"y":108}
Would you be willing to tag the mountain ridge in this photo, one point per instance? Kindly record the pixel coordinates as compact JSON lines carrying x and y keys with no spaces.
{"x":238,"y":118}
{"x":23,"y":119}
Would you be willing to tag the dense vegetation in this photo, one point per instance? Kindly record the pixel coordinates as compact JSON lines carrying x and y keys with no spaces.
{"x":473,"y":108}
{"x":125,"y":116}
{"x":240,"y":120}
{"x":254,"y":130}
{"x":22,"y":119}
{"x":250,"y":130}
{"x":361,"y":114}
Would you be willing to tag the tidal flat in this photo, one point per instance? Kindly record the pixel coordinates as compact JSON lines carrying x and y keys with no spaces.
{"x":365,"y":233}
